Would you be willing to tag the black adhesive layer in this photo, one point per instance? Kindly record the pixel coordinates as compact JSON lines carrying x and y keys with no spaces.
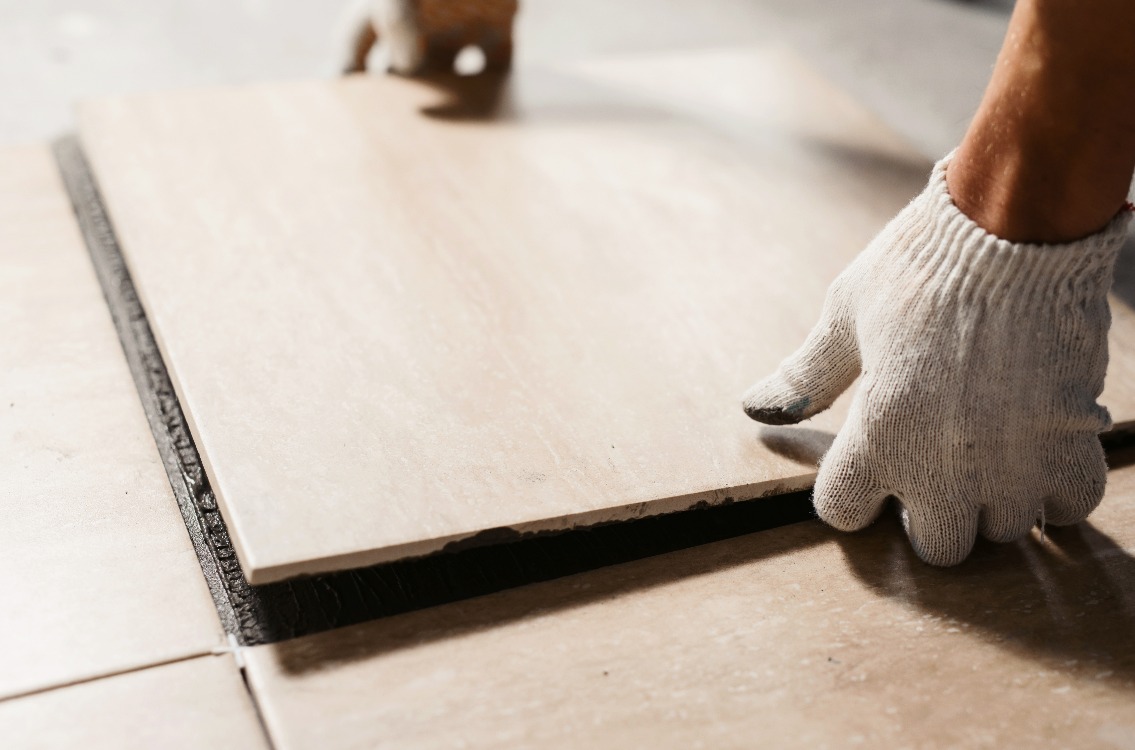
{"x":236,"y":602}
{"x":279,"y":611}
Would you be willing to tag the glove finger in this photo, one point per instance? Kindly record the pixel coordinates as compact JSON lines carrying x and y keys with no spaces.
{"x":941,"y":530}
{"x":1006,"y":519}
{"x":846,"y":495}
{"x":1076,"y":478}
{"x":811,"y":378}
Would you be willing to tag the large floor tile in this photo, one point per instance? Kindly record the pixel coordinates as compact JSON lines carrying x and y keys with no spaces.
{"x":399,"y":314}
{"x":193,"y":704}
{"x":796,"y":637}
{"x":97,"y":572}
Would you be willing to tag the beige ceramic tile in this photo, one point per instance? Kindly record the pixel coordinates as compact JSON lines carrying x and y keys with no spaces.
{"x":396,"y":320}
{"x":196,"y":704}
{"x":96,"y":569}
{"x":795,"y":637}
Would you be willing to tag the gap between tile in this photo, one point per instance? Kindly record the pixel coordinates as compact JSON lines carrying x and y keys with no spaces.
{"x":102,"y":676}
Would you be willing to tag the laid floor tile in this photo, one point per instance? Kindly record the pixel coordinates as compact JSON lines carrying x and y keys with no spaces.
{"x":795,"y":637}
{"x":399,"y":314}
{"x":96,"y":568}
{"x":192,"y":704}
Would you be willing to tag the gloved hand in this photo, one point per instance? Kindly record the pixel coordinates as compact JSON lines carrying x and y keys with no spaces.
{"x":982,"y":361}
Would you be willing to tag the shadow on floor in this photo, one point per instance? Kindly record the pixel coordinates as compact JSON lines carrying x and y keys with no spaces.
{"x":800,"y":444}
{"x":1123,"y":289}
{"x":305,"y":606}
{"x":1068,"y":602}
{"x":472,"y":615}
{"x":480,"y":97}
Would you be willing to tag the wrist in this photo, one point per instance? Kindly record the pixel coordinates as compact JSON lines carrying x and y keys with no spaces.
{"x":1049,"y":155}
{"x":963,"y":248}
{"x":1019,"y":193}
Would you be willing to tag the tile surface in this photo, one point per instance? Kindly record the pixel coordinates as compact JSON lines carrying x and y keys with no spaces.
{"x":96,"y":568}
{"x":796,"y":637}
{"x":399,"y":314}
{"x":193,"y":704}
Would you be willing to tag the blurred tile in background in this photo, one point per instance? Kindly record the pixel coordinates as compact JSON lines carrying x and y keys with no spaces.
{"x":921,"y":64}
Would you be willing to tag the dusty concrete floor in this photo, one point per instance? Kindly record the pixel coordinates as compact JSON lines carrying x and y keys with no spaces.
{"x":922,"y":64}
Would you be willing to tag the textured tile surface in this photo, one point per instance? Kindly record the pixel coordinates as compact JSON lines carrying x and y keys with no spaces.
{"x":97,"y":571}
{"x":193,"y":704}
{"x":397,"y":316}
{"x":795,"y":637}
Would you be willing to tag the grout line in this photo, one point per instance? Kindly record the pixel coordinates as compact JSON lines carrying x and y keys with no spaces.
{"x":105,"y":675}
{"x":255,"y":700}
{"x":233,"y":648}
{"x":237,"y":652}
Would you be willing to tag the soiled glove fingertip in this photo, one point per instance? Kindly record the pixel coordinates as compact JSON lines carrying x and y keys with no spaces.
{"x":773,"y":415}
{"x":775,"y":408}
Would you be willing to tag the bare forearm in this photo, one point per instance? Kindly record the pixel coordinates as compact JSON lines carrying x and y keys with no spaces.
{"x":1050,"y":154}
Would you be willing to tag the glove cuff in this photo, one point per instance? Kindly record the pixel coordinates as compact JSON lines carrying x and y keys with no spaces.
{"x":957,"y":244}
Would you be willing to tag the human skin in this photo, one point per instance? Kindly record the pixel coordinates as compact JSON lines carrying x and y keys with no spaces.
{"x":1050,"y":153}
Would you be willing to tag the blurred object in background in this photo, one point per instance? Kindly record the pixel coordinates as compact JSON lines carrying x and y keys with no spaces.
{"x":54,"y":53}
{"x":920,"y":64}
{"x":432,"y":36}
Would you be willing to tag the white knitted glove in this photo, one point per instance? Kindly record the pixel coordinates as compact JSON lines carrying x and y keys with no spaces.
{"x":982,"y":361}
